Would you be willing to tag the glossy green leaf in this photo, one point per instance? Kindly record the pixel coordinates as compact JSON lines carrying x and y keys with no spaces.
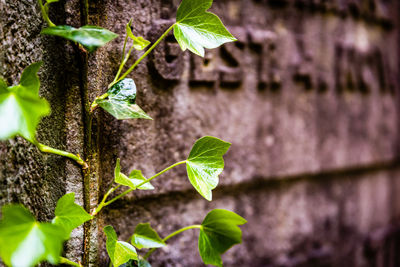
{"x":219,"y":232}
{"x":69,"y":215}
{"x":146,"y":237}
{"x":205,"y":163}
{"x":122,"y":110}
{"x":26,"y":242}
{"x":21,"y":108}
{"x":124,"y":91}
{"x":196,"y":29}
{"x":121,"y":101}
{"x":120,"y":252}
{"x":139,"y":43}
{"x":91,"y":37}
{"x":135,"y":178}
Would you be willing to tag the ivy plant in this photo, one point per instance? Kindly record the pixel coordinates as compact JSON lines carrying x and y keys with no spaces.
{"x":26,"y":242}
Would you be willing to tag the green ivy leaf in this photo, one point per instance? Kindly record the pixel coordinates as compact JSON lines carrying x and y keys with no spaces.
{"x":121,"y":101}
{"x":196,"y":29}
{"x":139,"y":43}
{"x":124,"y":91}
{"x":26,"y":242}
{"x":135,"y":178}
{"x":123,"y":111}
{"x":91,"y":37}
{"x":205,"y":163}
{"x":146,"y":237}
{"x":21,"y":108}
{"x":69,"y":215}
{"x":120,"y":252}
{"x":219,"y":232}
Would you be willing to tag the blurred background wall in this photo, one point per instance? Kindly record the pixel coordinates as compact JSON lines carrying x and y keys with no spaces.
{"x":308,"y":96}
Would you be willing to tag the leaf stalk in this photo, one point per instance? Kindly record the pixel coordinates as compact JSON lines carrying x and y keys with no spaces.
{"x":45,"y":15}
{"x":195,"y":226}
{"x":144,"y":182}
{"x":77,"y":158}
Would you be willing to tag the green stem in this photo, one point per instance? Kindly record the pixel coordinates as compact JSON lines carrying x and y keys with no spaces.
{"x":103,"y":201}
{"x":69,"y":262}
{"x":196,"y":226}
{"x":142,"y":57}
{"x":94,"y":105}
{"x":45,"y":15}
{"x":144,"y":182}
{"x":121,"y":66}
{"x":77,"y":158}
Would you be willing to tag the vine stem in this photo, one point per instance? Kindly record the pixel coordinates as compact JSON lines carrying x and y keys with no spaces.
{"x":77,"y":158}
{"x":196,"y":226}
{"x":103,"y":203}
{"x":94,"y":105}
{"x":69,"y":262}
{"x":143,"y":56}
{"x":45,"y":15}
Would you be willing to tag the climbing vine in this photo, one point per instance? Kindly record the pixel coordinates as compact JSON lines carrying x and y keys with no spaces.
{"x":26,"y":242}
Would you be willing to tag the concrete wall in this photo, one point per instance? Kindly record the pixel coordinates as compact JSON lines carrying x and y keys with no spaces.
{"x":308,"y":97}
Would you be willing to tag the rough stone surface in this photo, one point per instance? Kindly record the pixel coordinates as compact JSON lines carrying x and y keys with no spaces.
{"x":308,"y":96}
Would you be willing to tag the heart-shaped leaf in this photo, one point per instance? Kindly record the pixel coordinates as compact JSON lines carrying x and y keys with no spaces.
{"x":121,"y":101}
{"x":69,"y":215}
{"x":219,"y":231}
{"x":146,"y":237}
{"x":26,"y":242}
{"x":21,"y":108}
{"x":120,"y":252}
{"x":91,"y":37}
{"x":139,"y":43}
{"x":196,"y":29}
{"x":205,"y":163}
{"x":135,"y":178}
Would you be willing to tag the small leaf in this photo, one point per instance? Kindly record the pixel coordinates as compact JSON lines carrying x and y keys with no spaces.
{"x":21,"y":108}
{"x":26,"y":242}
{"x":146,"y":237}
{"x":52,"y":1}
{"x":120,"y":252}
{"x":121,"y":101}
{"x":124,"y":90}
{"x":70,"y":215}
{"x":196,"y":29}
{"x":219,"y":232}
{"x":205,"y":163}
{"x":139,"y":43}
{"x":122,"y":110}
{"x":135,"y":178}
{"x":91,"y":37}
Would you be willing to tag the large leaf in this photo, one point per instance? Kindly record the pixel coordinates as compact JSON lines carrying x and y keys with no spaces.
{"x":205,"y":163}
{"x":69,"y":215}
{"x":219,"y":232}
{"x":139,"y":43}
{"x":26,"y":242}
{"x":135,"y":178}
{"x":121,"y":101}
{"x":196,"y":29}
{"x":120,"y":252}
{"x":91,"y":37}
{"x":146,"y":237}
{"x":21,"y":108}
